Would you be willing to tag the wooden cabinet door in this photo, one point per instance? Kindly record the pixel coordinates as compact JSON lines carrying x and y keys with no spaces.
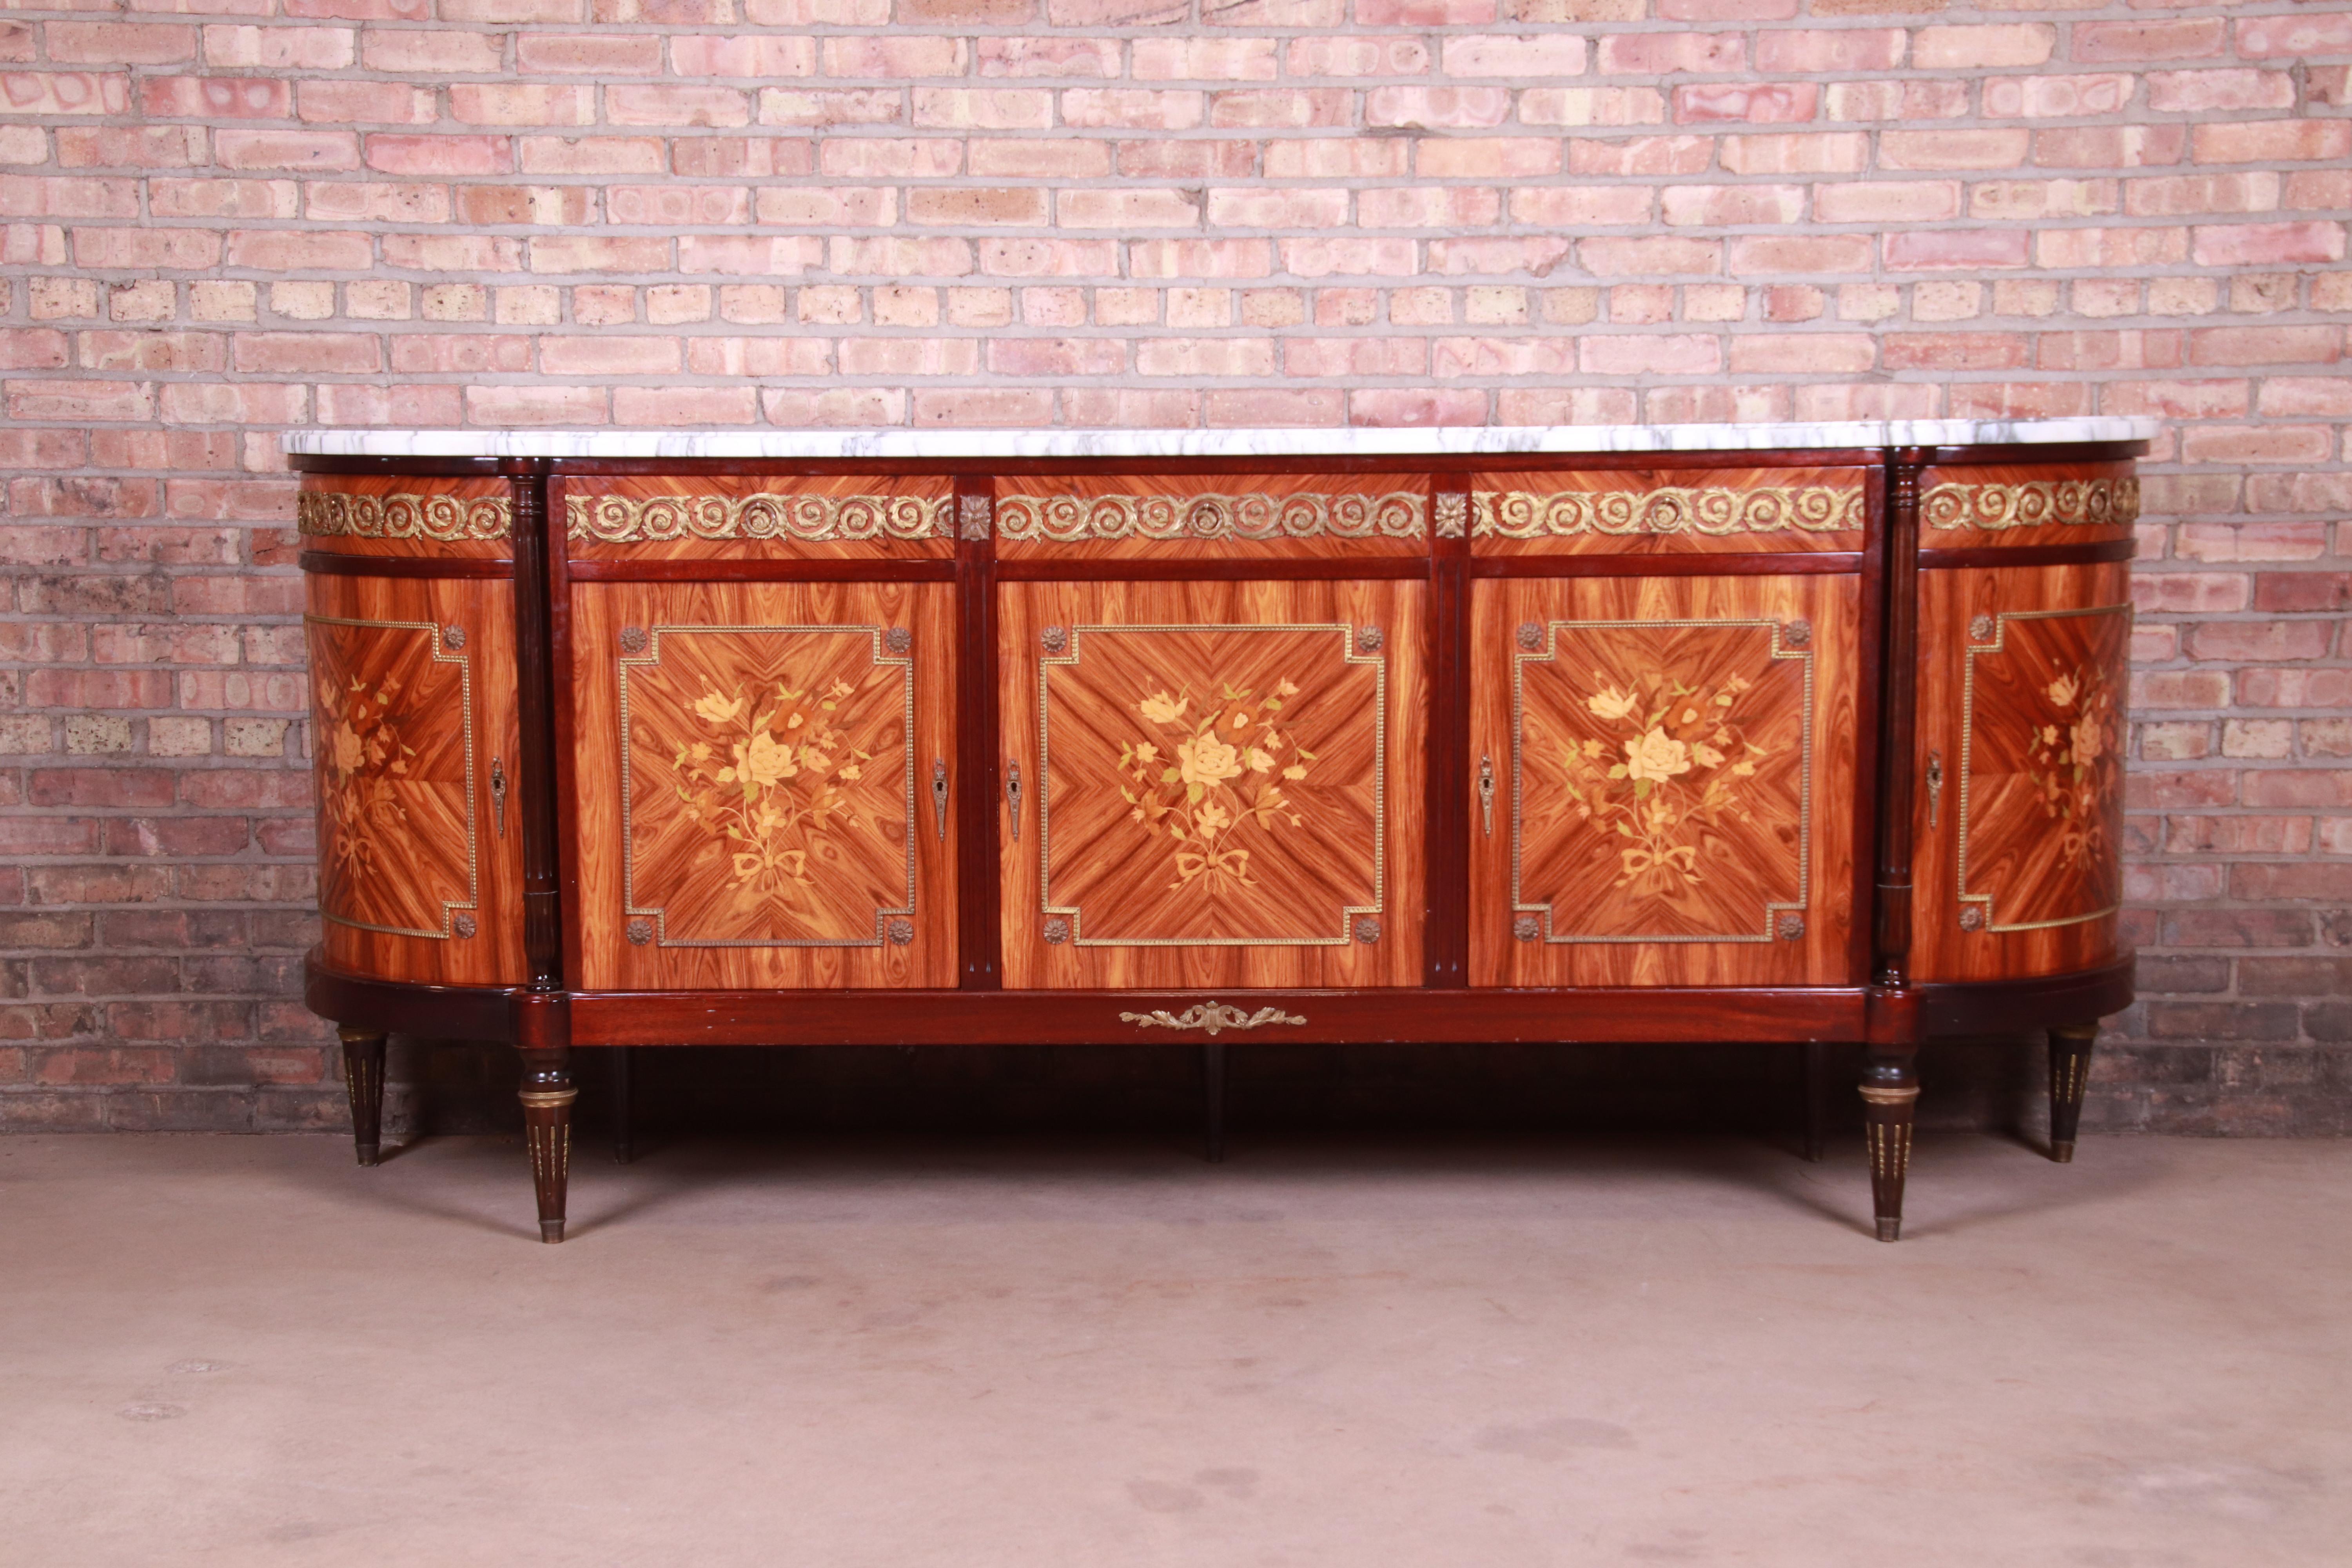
{"x":2017,"y":868}
{"x":414,"y":744}
{"x":1219,"y":784}
{"x":1662,"y":781}
{"x":762,"y":785}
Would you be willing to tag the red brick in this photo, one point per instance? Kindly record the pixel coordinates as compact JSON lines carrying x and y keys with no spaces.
{"x":1979,"y":48}
{"x":441,"y":155}
{"x":1668,"y":51}
{"x":299,"y":250}
{"x":2111,"y":146}
{"x":2219,"y":91}
{"x":2180,"y":38}
{"x":2267,"y":244}
{"x":607,"y":54}
{"x":215,"y":98}
{"x":1917,"y":250}
{"x":2265,"y":345}
{"x":1755,"y":104}
{"x":287,"y":149}
{"x":1956,"y":351}
{"x":2262,"y":140}
{"x":2308,"y":35}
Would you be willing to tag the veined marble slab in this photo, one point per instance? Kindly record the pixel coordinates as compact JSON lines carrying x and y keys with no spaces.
{"x":1450,"y":440}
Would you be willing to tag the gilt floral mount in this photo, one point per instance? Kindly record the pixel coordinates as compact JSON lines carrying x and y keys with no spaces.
{"x":768,"y":787}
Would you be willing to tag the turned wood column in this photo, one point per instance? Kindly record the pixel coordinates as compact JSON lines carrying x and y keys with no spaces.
{"x":543,"y":1015}
{"x":1899,"y":723}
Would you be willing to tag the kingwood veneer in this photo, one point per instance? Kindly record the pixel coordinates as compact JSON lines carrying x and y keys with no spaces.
{"x":1811,"y":734}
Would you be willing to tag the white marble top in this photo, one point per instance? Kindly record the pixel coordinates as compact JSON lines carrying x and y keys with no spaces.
{"x":836,"y":445}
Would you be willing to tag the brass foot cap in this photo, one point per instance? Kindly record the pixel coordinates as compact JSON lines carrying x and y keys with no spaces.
{"x":2062,"y":1150}
{"x":1890,"y":1229}
{"x":550,"y":1230}
{"x":367,"y":1154}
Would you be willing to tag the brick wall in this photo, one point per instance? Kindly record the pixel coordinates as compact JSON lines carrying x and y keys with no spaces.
{"x":222,"y":217}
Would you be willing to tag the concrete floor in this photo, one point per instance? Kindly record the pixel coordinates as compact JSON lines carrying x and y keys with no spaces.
{"x":1328,"y":1354}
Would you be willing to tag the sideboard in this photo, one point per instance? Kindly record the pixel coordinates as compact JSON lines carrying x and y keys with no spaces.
{"x":1776,"y":734}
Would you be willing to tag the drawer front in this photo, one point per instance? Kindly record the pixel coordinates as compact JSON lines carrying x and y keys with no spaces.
{"x":757,"y":517}
{"x":2017,"y":868}
{"x":1250,"y":517}
{"x":1662,"y":781}
{"x":414,"y":746}
{"x":762,"y":785}
{"x":1989,"y":506}
{"x":1668,"y":511}
{"x":399,"y":515}
{"x":1219,"y":784}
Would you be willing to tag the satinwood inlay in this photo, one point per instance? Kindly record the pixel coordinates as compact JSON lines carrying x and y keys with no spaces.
{"x":768,"y":785}
{"x":392,"y":708}
{"x":2041,"y":806}
{"x":1212,"y":786}
{"x":1662,"y":781}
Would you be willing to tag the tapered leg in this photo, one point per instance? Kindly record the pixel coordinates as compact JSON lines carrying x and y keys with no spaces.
{"x":547,"y":1095}
{"x":625,"y":1125}
{"x":1890,"y":1093}
{"x":363,"y":1076}
{"x":1212,"y":1099}
{"x":2069,"y":1074}
{"x":1817,"y":1111}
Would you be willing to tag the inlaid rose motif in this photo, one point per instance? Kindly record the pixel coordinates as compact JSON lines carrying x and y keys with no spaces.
{"x":2072,"y":767}
{"x":1656,"y":756}
{"x":363,"y":754}
{"x":1216,"y":770}
{"x":1688,"y":757}
{"x":780,"y":789}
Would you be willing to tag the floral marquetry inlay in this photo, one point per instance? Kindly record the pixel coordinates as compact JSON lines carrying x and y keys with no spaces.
{"x":1661,"y":788}
{"x":1249,"y":516}
{"x":1703,"y":510}
{"x":1212,"y":785}
{"x":811,"y":519}
{"x":393,"y":706}
{"x":768,"y":786}
{"x":2041,"y":808}
{"x":327,"y":514}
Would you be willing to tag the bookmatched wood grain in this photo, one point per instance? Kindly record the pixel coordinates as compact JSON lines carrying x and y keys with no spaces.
{"x":1202,"y":517}
{"x":1667,"y":511}
{"x":754,"y":767}
{"x":406,"y":516}
{"x":413,"y":715}
{"x":1671,"y":766}
{"x":1986,"y":506}
{"x":1222,"y":783}
{"x":758,"y":517}
{"x":2022,"y":676}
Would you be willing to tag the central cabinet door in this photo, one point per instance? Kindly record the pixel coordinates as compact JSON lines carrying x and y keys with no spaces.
{"x":1213,"y":783}
{"x":763,"y":778}
{"x":1662,"y":780}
